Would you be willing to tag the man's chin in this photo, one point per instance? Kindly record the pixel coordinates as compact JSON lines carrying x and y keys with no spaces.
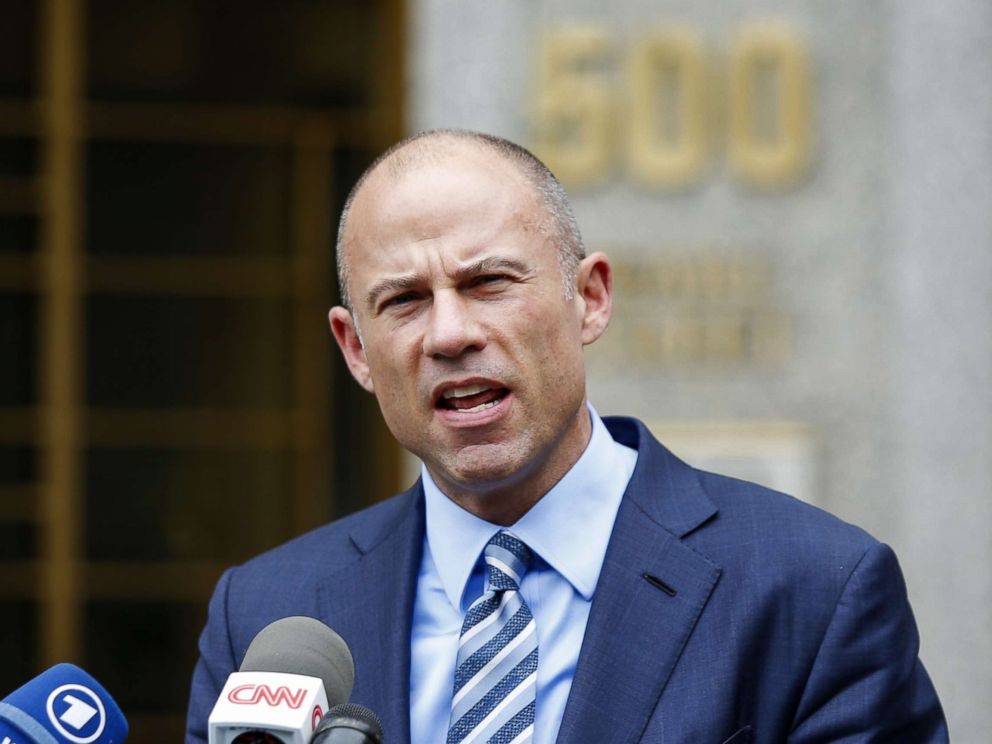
{"x":479,"y":469}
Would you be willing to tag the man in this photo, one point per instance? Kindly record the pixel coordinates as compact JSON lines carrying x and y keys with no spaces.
{"x":552,"y":577}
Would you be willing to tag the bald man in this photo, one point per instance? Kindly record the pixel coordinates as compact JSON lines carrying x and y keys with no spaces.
{"x":556,"y":576}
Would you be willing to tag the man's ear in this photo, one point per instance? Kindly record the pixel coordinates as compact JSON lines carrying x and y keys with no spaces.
{"x":346,"y":334}
{"x":594,"y":288}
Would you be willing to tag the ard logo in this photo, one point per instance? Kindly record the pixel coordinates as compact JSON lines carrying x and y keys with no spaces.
{"x":77,"y":713}
{"x":263,"y":694}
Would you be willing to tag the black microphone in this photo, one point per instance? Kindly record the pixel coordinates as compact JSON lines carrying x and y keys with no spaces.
{"x":348,"y":724}
{"x":295,"y":669}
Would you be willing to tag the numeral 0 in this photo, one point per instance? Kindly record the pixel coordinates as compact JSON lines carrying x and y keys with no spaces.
{"x":665,"y":129}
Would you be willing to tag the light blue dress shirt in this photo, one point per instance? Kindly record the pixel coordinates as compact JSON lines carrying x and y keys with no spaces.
{"x":568,"y":530}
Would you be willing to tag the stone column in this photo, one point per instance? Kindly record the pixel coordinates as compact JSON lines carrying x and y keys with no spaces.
{"x":467,"y":65}
{"x":940,"y":260}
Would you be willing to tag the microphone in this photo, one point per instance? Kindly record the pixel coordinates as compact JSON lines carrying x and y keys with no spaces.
{"x":295,"y":669}
{"x":63,"y":705}
{"x":348,"y":724}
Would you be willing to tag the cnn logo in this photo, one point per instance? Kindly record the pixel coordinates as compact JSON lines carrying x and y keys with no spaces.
{"x":263,"y":694}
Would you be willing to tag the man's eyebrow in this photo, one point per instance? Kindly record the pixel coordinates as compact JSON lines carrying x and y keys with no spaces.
{"x":407,"y":282}
{"x":491,"y":264}
{"x":390,"y":284}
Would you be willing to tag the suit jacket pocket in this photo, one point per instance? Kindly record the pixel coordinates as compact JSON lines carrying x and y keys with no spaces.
{"x":741,"y":737}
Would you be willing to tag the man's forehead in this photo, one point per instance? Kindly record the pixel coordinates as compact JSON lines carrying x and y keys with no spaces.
{"x":429,"y":151}
{"x":443,"y":186}
{"x":438,"y":155}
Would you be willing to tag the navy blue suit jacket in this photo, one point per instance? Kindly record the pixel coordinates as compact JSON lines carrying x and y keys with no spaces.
{"x":772,"y":620}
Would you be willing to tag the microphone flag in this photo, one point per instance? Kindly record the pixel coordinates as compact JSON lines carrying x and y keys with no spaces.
{"x":288,"y":706}
{"x":63,"y":705}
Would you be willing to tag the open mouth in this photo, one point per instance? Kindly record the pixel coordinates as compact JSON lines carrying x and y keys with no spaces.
{"x":471,"y":398}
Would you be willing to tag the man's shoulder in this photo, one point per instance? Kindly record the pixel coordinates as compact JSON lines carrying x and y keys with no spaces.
{"x":760,"y":510}
{"x":735,"y":519}
{"x":329,"y":548}
{"x":774,"y":548}
{"x":730,"y":496}
{"x":776,"y":554}
{"x":775,"y":534}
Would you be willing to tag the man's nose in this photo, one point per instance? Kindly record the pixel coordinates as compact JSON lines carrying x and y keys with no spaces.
{"x":452,"y":327}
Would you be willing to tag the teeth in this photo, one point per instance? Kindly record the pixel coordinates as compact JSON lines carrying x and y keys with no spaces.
{"x":480,"y":407}
{"x":465,"y":391}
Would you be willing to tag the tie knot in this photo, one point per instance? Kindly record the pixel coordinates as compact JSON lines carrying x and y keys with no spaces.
{"x":507,"y":560}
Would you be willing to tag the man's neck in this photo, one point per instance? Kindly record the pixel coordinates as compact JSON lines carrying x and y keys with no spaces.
{"x":506,"y":501}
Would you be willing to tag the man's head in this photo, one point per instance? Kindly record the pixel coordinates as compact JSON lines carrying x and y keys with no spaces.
{"x":472,"y":322}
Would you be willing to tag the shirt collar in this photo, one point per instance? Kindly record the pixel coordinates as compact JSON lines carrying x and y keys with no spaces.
{"x":569,"y":527}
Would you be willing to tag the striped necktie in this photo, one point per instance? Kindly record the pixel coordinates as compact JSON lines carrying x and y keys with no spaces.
{"x":496,"y":672}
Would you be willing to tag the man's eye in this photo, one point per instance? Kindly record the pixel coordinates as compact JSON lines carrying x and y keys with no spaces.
{"x":400,"y":299}
{"x":490,"y":279}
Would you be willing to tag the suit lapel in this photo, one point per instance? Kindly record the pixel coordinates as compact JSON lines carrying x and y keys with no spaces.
{"x":370,"y":603}
{"x":637,"y":628}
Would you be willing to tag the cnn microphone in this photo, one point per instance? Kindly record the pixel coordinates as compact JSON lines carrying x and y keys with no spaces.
{"x":348,"y":724}
{"x":63,"y":705}
{"x":295,"y":669}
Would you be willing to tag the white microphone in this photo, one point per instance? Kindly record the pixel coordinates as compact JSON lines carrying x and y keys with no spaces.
{"x":294,"y":670}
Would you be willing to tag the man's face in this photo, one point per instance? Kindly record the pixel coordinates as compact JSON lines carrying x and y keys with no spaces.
{"x":467,"y":339}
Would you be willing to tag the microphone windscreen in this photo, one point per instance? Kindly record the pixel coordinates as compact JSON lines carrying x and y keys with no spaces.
{"x":348,"y":724}
{"x":303,"y":645}
{"x":64,"y":705}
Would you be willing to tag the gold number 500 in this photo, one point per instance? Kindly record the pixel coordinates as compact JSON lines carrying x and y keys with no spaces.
{"x":665,"y":129}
